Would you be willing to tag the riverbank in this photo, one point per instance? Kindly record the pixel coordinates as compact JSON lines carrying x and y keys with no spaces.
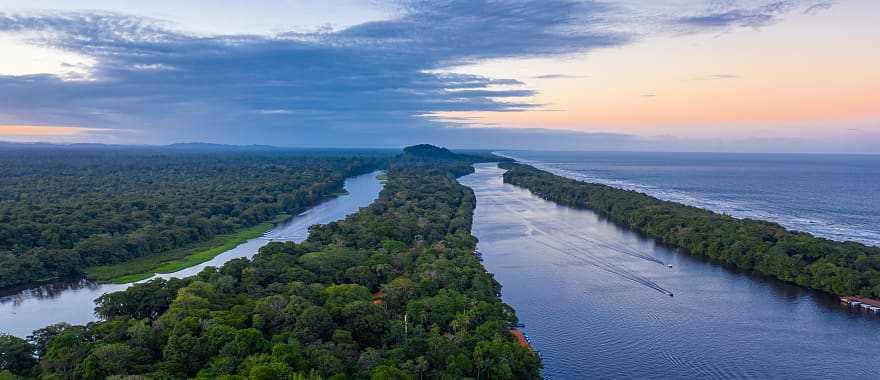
{"x":584,"y":288}
{"x":174,"y":260}
{"x":840,"y":268}
{"x":72,"y":300}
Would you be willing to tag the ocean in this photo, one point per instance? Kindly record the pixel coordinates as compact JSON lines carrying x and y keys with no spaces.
{"x":832,"y":196}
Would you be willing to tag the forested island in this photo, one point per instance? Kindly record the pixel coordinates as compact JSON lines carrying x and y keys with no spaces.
{"x":391,"y":292}
{"x":65,"y":209}
{"x":841,"y":268}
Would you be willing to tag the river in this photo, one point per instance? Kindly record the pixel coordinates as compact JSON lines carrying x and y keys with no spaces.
{"x":595,"y":301}
{"x":73,"y":301}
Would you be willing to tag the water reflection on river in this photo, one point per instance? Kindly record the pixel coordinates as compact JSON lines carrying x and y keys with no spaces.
{"x":595,"y":301}
{"x":73,"y":301}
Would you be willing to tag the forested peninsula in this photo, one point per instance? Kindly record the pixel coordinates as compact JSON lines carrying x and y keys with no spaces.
{"x":841,"y":268}
{"x":391,"y":292}
{"x":63,"y":210}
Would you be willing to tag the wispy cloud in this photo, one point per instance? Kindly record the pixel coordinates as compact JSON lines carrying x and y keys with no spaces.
{"x":560,"y":76}
{"x":723,"y":14}
{"x":716,"y":77}
{"x":42,"y":130}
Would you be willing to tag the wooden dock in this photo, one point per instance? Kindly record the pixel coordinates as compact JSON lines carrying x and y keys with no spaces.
{"x":861,"y":303}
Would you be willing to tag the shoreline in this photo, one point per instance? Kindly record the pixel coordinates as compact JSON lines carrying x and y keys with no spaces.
{"x":171,"y":261}
{"x":187,"y":257}
{"x":699,"y":201}
{"x":179,"y":259}
{"x":683,"y":228}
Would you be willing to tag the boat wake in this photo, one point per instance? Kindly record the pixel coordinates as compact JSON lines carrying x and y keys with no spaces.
{"x":560,"y":242}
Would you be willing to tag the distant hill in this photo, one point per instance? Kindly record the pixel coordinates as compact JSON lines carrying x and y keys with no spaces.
{"x":428,"y":150}
{"x":436,"y":152}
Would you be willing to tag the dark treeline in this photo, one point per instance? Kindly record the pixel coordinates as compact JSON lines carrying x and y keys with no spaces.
{"x":62,"y":210}
{"x":842,"y":268}
{"x":391,"y":292}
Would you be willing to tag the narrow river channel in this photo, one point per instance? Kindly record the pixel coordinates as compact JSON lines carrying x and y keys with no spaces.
{"x":595,"y":301}
{"x":73,"y":302}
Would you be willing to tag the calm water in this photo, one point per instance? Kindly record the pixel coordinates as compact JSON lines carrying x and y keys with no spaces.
{"x":833,"y":196}
{"x":595,"y":301}
{"x":73,"y":302}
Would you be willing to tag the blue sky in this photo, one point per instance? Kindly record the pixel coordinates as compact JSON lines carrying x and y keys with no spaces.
{"x":383,"y":74}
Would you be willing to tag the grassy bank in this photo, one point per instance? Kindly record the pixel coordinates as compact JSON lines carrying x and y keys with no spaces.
{"x":177,"y":259}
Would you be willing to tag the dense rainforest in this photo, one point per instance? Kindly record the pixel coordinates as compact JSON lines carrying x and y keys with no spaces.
{"x":62,"y":210}
{"x":391,"y":292}
{"x":842,"y":268}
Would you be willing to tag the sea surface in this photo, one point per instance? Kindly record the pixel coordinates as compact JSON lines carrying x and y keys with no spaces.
{"x":831,"y":196}
{"x":601,"y":302}
{"x":26,"y":310}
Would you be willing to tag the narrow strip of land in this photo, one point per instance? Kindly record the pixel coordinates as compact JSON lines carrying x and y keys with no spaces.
{"x":841,"y":268}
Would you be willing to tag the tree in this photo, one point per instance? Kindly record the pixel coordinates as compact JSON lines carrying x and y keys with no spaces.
{"x":109,"y":359}
{"x":385,"y":372}
{"x":16,"y":355}
{"x":340,"y":295}
{"x":65,"y":353}
{"x":313,"y":323}
{"x":398,"y":292}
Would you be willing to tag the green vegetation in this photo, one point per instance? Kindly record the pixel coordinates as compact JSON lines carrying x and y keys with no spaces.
{"x":176,"y":259}
{"x":307,"y":311}
{"x":427,"y":151}
{"x":64,"y":210}
{"x":842,"y":268}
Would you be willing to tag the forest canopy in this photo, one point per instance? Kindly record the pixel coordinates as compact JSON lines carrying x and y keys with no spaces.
{"x":64,"y":209}
{"x":392,"y":292}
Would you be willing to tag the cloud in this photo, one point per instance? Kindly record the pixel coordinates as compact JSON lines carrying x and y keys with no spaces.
{"x":379,"y":77}
{"x":724,"y":14}
{"x":367,"y":84}
{"x":716,"y":77}
{"x":559,"y":76}
{"x":42,"y":130}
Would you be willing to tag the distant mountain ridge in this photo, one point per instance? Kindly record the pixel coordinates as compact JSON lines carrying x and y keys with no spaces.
{"x":415,"y":151}
{"x":179,"y":147}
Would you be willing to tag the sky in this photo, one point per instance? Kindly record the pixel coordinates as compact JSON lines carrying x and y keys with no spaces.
{"x":679,"y":75}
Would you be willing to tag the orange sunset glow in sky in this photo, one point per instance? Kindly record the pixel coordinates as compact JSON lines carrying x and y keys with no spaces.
{"x":806,"y":75}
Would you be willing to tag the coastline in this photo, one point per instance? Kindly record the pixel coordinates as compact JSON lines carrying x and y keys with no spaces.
{"x":752,"y":246}
{"x":834,"y":221}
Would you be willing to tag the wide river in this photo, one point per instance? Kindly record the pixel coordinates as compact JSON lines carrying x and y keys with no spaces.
{"x":594,"y":298}
{"x":73,"y":302}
